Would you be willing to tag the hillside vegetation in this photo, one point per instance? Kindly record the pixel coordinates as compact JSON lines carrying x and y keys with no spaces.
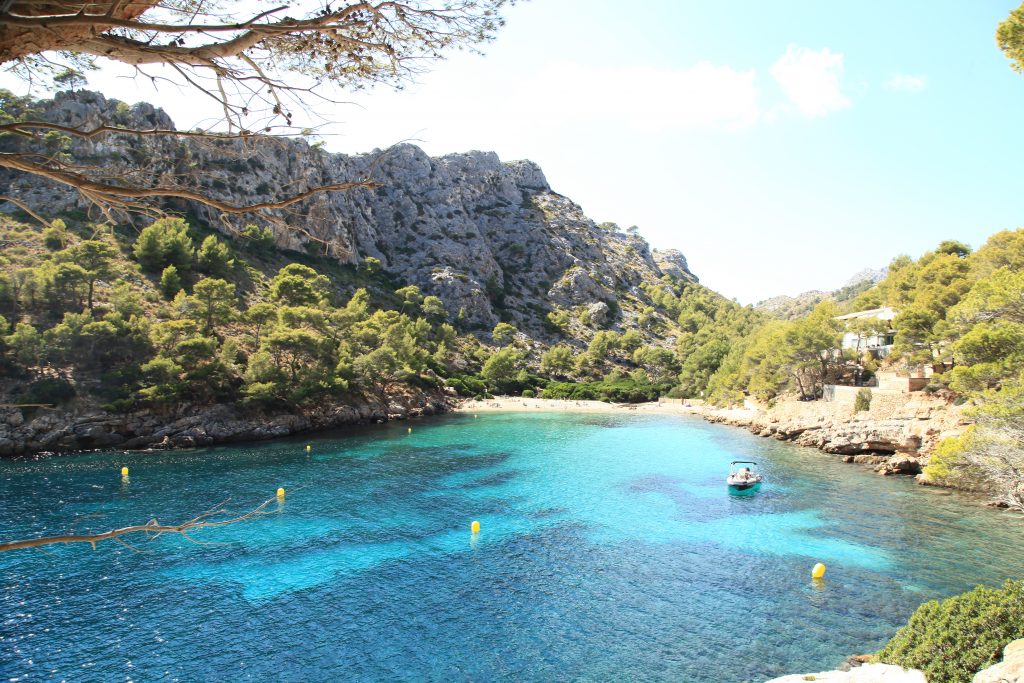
{"x":176,"y":313}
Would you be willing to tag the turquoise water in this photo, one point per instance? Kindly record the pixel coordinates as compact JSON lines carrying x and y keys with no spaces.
{"x":609,"y":551}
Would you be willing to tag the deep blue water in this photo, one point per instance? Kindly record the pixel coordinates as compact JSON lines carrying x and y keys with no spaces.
{"x":609,"y":551}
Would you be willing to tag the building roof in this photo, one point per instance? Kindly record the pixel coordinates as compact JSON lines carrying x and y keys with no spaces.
{"x":885,"y":313}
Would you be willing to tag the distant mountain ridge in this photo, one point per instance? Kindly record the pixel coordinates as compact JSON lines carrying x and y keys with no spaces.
{"x":790,"y":307}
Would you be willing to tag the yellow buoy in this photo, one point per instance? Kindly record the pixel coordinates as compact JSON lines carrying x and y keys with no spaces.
{"x":308,"y":448}
{"x":410,"y":430}
{"x":818,"y":571}
{"x":124,"y":471}
{"x":280,"y":493}
{"x":475,"y":527}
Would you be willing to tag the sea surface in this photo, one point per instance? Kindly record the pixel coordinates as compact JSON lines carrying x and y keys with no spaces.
{"x":609,"y":550}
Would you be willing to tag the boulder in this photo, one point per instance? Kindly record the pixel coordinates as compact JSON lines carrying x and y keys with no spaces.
{"x":598,"y":313}
{"x":900,"y":464}
{"x":1010,"y":670}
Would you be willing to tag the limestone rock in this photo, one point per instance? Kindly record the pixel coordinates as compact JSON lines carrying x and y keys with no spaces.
{"x":672,"y":262}
{"x":1010,"y":670}
{"x":900,"y":464}
{"x":598,"y":313}
{"x":468,"y":228}
{"x":83,"y":426}
{"x":869,"y":673}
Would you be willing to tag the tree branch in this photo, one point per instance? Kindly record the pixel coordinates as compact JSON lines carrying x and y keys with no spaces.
{"x":115,"y":194}
{"x":154,"y":528}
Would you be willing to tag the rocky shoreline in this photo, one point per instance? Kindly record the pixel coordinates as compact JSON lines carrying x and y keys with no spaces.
{"x":87,"y":427}
{"x":896,"y":435}
{"x":857,"y":670}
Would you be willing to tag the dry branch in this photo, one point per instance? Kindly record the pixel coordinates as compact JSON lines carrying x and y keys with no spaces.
{"x":153,"y":529}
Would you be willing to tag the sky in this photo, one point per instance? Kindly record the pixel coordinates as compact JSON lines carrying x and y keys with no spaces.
{"x":780,"y":146}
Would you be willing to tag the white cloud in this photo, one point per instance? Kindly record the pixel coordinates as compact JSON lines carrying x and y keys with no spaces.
{"x":810,"y":79}
{"x":905,"y":83}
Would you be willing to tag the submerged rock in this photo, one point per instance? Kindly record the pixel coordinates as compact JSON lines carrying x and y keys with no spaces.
{"x":869,"y":673}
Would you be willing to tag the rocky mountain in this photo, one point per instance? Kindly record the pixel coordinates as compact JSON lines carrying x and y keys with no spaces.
{"x":490,"y":238}
{"x":791,"y":307}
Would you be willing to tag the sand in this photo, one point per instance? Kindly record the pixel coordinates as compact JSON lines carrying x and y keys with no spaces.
{"x":537,"y":405}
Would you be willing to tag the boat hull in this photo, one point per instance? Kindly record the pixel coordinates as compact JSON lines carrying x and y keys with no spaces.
{"x":744,"y":489}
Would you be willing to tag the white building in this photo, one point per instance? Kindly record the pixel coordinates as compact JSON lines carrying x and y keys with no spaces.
{"x":878,"y":340}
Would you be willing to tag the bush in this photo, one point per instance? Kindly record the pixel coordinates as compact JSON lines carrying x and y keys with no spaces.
{"x":165,"y":242}
{"x":468,"y":386}
{"x":48,"y":391}
{"x":170,"y":282}
{"x":952,"y":640}
{"x":863,"y":401}
{"x":529,"y":393}
{"x":622,"y":390}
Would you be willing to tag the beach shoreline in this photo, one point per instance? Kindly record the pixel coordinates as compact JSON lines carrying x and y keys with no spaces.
{"x":518,"y":404}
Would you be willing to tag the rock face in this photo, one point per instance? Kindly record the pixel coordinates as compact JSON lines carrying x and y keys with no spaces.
{"x":894,"y":436}
{"x":869,"y":673}
{"x":87,"y":427}
{"x":465,"y":227}
{"x":1010,"y":670}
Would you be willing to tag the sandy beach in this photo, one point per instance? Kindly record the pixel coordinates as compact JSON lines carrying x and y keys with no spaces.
{"x":520,"y":404}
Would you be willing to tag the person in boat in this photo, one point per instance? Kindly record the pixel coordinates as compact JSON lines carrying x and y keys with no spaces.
{"x":744,"y":474}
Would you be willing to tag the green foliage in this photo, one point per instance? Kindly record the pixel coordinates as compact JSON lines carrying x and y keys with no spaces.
{"x":660,"y":363}
{"x":95,"y":258}
{"x":26,"y":344}
{"x":559,"y":319}
{"x":433,"y":307}
{"x":615,"y":389}
{"x":410,"y":296}
{"x":466,"y":385}
{"x":47,"y":391}
{"x":210,"y":304}
{"x":503,"y":333}
{"x":953,"y":639}
{"x":502,"y":368}
{"x":557,"y":361}
{"x":862,"y":403}
{"x":1010,"y":38}
{"x":944,"y":463}
{"x":170,"y":282}
{"x":370,"y":266}
{"x":261,"y":240}
{"x":56,"y":236}
{"x":165,"y":242}
{"x":299,"y":285}
{"x":214,"y":257}
{"x":989,"y":323}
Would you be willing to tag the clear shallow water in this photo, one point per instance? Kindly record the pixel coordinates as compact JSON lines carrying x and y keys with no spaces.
{"x":609,"y":551}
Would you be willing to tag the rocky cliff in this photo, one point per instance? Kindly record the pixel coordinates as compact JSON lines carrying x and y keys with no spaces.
{"x":490,"y":238}
{"x":895,"y":435}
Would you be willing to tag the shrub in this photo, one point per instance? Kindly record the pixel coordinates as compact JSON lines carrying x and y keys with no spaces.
{"x":170,"y":282}
{"x":863,"y":401}
{"x":262,"y":238}
{"x":48,"y":391}
{"x":165,"y":242}
{"x":529,"y":393}
{"x":56,"y":236}
{"x":952,"y":640}
{"x":623,"y":390}
{"x":468,"y":385}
